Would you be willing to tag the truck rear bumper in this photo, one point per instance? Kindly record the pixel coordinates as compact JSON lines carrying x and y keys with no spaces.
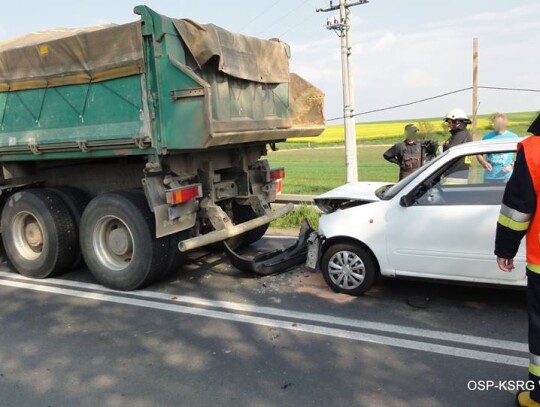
{"x":275,"y":261}
{"x":232,"y":231}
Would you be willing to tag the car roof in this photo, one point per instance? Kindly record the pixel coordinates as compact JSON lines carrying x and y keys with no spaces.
{"x":483,"y":145}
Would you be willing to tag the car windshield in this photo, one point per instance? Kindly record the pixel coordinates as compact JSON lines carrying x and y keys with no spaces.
{"x":389,"y":191}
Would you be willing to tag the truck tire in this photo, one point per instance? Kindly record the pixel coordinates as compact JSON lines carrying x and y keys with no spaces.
{"x":241,"y":214}
{"x":39,"y":233}
{"x":348,"y":269}
{"x":244,"y":213}
{"x":118,"y":241}
{"x":76,"y":201}
{"x":176,"y":257}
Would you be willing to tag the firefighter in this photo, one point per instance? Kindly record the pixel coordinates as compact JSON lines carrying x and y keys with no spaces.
{"x":457,"y":122}
{"x":407,"y":154}
{"x":518,"y":218}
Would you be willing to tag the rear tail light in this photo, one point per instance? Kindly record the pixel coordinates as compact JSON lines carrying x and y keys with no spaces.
{"x":275,"y":174}
{"x":279,"y":186}
{"x":184,"y":194}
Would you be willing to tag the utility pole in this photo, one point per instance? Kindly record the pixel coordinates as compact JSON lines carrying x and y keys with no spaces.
{"x":474,"y":164}
{"x":475,"y":89}
{"x":342,"y":27}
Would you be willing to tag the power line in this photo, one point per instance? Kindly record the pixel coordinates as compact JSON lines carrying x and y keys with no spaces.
{"x":262,"y":13}
{"x":436,"y":97}
{"x":512,"y":89}
{"x":297,"y":24}
{"x":282,"y":17}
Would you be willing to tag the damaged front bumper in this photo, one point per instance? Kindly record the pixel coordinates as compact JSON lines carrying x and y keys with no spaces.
{"x":313,"y":258}
{"x":276,"y":261}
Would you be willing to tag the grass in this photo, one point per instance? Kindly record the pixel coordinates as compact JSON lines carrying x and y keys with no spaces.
{"x":317,"y":170}
{"x":294,"y":218}
{"x":392,"y":131}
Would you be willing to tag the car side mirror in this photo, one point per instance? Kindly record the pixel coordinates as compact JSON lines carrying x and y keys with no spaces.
{"x":407,"y":200}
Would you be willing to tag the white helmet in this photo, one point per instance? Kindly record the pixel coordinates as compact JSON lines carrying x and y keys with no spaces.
{"x":457,"y":114}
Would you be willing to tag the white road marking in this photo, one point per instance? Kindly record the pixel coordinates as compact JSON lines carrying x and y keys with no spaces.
{"x":275,"y":323}
{"x":304,"y":316}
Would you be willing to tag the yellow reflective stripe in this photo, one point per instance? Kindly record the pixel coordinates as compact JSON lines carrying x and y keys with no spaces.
{"x":512,"y":224}
{"x":534,"y":369}
{"x":533,"y":267}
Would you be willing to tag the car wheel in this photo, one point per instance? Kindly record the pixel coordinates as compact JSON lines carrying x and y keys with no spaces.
{"x":348,"y":269}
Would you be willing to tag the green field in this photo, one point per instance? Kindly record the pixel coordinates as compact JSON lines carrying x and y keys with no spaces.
{"x":316,"y":170}
{"x":316,"y":165}
{"x":392,"y":131}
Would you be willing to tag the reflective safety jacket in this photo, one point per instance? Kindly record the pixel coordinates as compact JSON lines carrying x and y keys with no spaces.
{"x":518,"y":211}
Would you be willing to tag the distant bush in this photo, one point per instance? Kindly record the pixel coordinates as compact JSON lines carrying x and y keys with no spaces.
{"x":426,"y":129}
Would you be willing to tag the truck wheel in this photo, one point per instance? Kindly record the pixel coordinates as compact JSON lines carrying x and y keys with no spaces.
{"x":176,"y":257}
{"x":118,"y":241}
{"x":76,"y":201}
{"x":244,"y":213}
{"x":348,"y":269}
{"x":241,"y":214}
{"x":39,"y":233}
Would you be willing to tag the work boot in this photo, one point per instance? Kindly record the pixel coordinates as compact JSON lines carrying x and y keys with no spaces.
{"x":523,"y":399}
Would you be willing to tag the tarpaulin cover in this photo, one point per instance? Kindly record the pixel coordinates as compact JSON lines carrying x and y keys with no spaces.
{"x":71,"y":56}
{"x":240,"y":56}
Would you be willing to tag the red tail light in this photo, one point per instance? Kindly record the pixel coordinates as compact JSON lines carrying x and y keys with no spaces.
{"x":275,"y":174}
{"x":279,"y":186}
{"x":184,"y":194}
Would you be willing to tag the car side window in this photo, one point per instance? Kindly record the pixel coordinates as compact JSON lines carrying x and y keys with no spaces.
{"x":466,"y":181}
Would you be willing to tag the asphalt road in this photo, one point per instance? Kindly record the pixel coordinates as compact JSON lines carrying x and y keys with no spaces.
{"x":214,"y":336}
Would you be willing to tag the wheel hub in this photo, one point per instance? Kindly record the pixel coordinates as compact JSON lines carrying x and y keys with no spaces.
{"x":28,"y":236}
{"x":346,"y":270}
{"x":119,"y":241}
{"x":113,"y":242}
{"x":33,"y":234}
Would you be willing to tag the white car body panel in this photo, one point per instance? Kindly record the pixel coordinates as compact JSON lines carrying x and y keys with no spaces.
{"x":448,"y":241}
{"x":355,"y":190}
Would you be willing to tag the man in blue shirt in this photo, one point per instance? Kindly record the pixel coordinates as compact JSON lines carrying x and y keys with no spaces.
{"x":498,"y":166}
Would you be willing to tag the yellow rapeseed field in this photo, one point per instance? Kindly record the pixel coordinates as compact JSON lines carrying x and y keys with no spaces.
{"x":393,"y":129}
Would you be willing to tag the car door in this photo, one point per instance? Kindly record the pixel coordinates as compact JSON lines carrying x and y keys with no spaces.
{"x":450,"y":231}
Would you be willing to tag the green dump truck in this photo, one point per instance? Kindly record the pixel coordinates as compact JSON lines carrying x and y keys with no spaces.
{"x":125,"y":146}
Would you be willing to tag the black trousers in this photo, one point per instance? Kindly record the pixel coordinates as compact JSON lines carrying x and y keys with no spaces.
{"x":533,"y":307}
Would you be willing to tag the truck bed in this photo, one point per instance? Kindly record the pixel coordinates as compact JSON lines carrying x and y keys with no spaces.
{"x":156,"y":86}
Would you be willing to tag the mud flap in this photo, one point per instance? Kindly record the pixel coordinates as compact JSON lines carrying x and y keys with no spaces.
{"x":276,"y":261}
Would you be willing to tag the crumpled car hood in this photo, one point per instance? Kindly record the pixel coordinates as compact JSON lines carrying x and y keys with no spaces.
{"x":364,"y":191}
{"x":348,"y":196}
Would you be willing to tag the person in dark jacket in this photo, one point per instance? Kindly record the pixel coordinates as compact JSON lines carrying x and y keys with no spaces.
{"x":407,"y":154}
{"x":457,"y":122}
{"x":519,"y":217}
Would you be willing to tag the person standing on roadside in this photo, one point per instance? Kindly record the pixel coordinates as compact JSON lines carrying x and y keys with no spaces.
{"x":498,"y":166}
{"x":457,"y":122}
{"x":407,"y":154}
{"x":519,"y":217}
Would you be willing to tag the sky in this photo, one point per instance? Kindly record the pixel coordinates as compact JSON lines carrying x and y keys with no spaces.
{"x":403,"y":50}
